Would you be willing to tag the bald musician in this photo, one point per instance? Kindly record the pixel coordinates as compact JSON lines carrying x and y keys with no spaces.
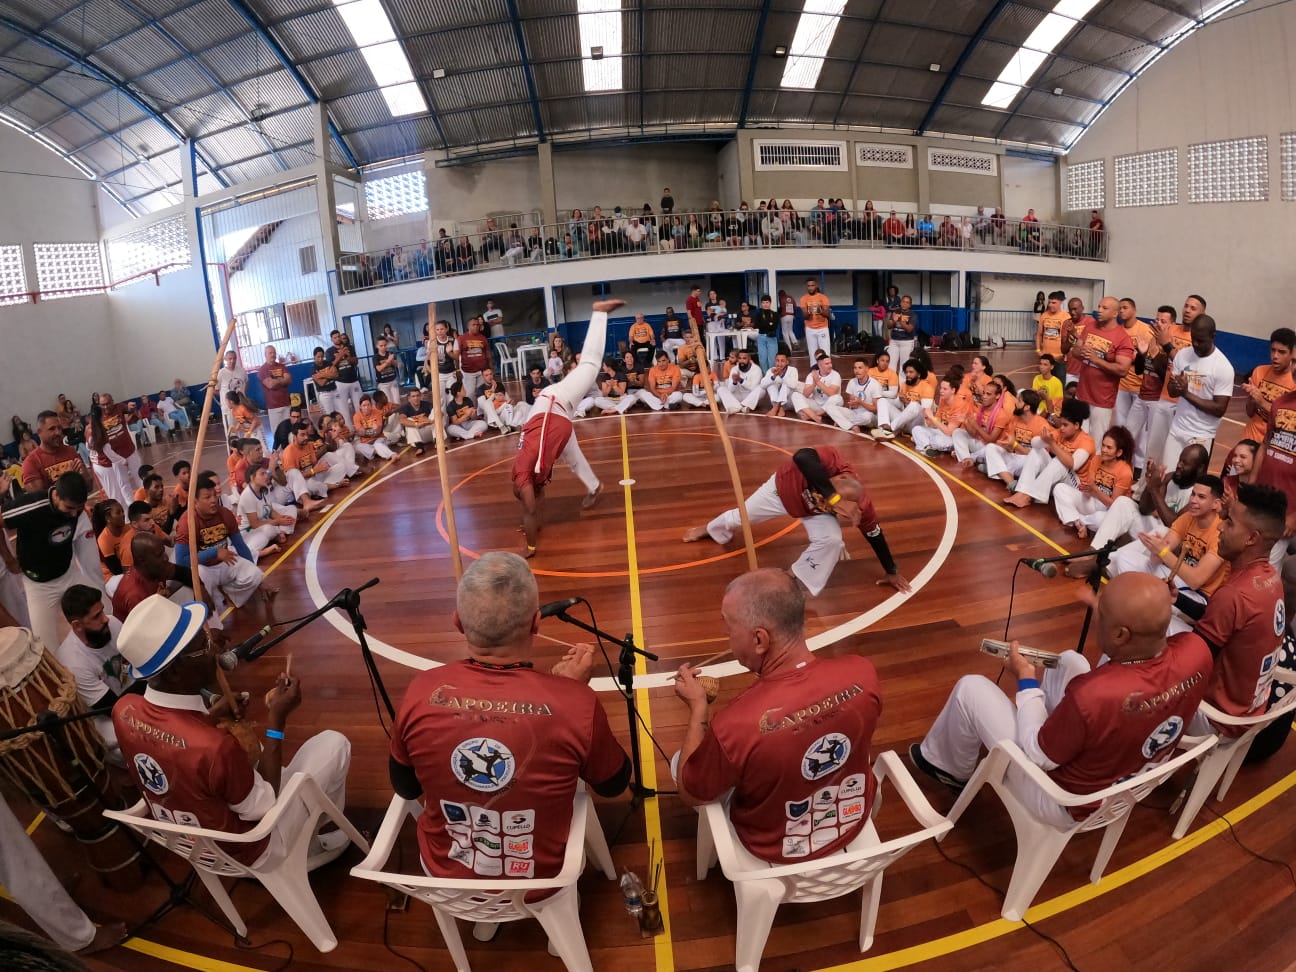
{"x":1079,"y":725}
{"x":547,"y":435}
{"x":777,"y":765}
{"x":821,"y":489}
{"x":192,"y":772}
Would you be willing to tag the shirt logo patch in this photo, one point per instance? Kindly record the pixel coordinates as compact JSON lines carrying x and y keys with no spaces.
{"x":485,"y":819}
{"x":519,"y":822}
{"x":825,"y":756}
{"x":1280,"y":618}
{"x":1163,"y":736}
{"x":454,"y":812}
{"x":853,"y":786}
{"x":483,"y":764}
{"x":519,"y":868}
{"x":150,"y":774}
{"x":797,"y":808}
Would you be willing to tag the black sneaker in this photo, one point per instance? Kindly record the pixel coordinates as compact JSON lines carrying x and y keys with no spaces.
{"x":921,"y":762}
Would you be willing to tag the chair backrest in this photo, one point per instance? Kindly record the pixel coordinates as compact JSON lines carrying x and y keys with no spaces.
{"x":474,"y":900}
{"x":1251,"y":724}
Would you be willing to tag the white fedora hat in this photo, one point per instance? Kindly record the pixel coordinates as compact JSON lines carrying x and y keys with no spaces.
{"x":156,"y":631}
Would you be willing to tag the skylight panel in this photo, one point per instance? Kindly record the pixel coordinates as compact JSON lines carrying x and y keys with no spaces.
{"x":814,"y":33}
{"x":1048,"y":34}
{"x":600,"y":40}
{"x":375,"y":38}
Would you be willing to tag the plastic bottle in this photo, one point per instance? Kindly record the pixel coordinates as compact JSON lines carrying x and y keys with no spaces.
{"x":632,"y":892}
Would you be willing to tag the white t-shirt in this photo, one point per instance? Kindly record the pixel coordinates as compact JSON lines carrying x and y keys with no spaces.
{"x":230,"y":379}
{"x":1207,"y":377}
{"x":789,"y":378}
{"x":249,"y":502}
{"x":815,"y":392}
{"x":494,"y":319}
{"x":166,"y":405}
{"x":96,"y":670}
{"x":868,"y":389}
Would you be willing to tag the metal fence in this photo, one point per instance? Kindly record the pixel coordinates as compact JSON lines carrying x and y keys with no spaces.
{"x":1014,"y":326}
{"x":590,"y":238}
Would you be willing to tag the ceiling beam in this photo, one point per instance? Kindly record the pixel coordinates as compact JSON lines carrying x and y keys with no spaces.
{"x":957,"y":69}
{"x":751,"y":65}
{"x":528,"y":74}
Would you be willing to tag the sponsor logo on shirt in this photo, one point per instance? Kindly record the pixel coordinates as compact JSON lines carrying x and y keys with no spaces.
{"x":483,"y":764}
{"x":150,"y":774}
{"x":850,"y":811}
{"x":486,"y":820}
{"x":519,"y":868}
{"x":488,"y":866}
{"x":822,"y":838}
{"x":825,"y":756}
{"x":855,"y":785}
{"x":454,"y":812}
{"x":798,"y":828}
{"x":795,"y":847}
{"x":519,"y":846}
{"x":519,"y":822}
{"x":463,"y":853}
{"x":487,"y":844}
{"x":797,"y":808}
{"x":1279,"y":619}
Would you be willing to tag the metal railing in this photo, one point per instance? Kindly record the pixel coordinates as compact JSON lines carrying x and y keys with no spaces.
{"x":1014,"y":326}
{"x":476,"y":227}
{"x":36,"y":296}
{"x":588,"y":239}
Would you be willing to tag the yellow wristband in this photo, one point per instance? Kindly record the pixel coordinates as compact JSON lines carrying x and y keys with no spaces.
{"x":834,"y":499}
{"x":1164,"y":551}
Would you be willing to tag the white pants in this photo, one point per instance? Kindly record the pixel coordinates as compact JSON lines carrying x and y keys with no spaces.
{"x":468,"y":430}
{"x":816,"y":406}
{"x":1177,"y":442}
{"x":728,"y":394}
{"x":509,"y":415}
{"x":13,"y":597}
{"x":817,"y":339}
{"x":235,"y":582}
{"x":327,"y":401}
{"x":847,"y":418}
{"x":261,"y":537}
{"x":471,"y":382}
{"x":650,"y":399}
{"x":36,"y":889}
{"x":898,"y":417}
{"x":780,"y":393}
{"x":695,"y":400}
{"x":123,"y":479}
{"x":999,"y":460}
{"x":391,"y":389}
{"x":1139,"y":420}
{"x":787,"y":324}
{"x":417,"y":435}
{"x":347,"y":397}
{"x":1134,"y":558}
{"x":44,"y":599}
{"x":671,"y":346}
{"x":925,"y":437}
{"x":1100,"y":420}
{"x":967,"y":446}
{"x":817,"y":561}
{"x":900,"y":351}
{"x":1041,"y":473}
{"x":1162,"y":414}
{"x":325,"y":757}
{"x":1123,"y":519}
{"x":1073,"y":506}
{"x":378,"y":447}
{"x":1124,"y":402}
{"x":318,"y":484}
{"x":978,"y":715}
{"x":603,"y":403}
{"x":276,"y":416}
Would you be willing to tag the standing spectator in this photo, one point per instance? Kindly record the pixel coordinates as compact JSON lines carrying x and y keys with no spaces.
{"x":1097,"y":230}
{"x":816,"y":310}
{"x":231,"y":377}
{"x":1203,"y":379}
{"x":343,"y":357}
{"x":787,"y":318}
{"x":901,"y":331}
{"x":767,"y":325}
{"x":275,"y":382}
{"x":667,"y":203}
{"x":693,"y":305}
{"x":1106,"y":355}
{"x":474,"y":356}
{"x":324,"y":378}
{"x":386,"y":371}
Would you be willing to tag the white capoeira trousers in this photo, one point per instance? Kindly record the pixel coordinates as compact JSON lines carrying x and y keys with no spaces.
{"x":1123,"y":519}
{"x":847,"y":418}
{"x":1073,"y":506}
{"x":925,"y":437}
{"x":649,"y":398}
{"x":235,"y":582}
{"x":978,"y":714}
{"x":378,"y":447}
{"x":900,"y":418}
{"x":1041,"y":473}
{"x":967,"y":446}
{"x":999,"y":460}
{"x":817,"y":561}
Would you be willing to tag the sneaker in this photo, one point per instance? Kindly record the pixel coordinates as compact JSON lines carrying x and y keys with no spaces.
{"x":933,"y":453}
{"x":592,"y":498}
{"x":885,"y":434}
{"x":325,"y":848}
{"x":921,"y":762}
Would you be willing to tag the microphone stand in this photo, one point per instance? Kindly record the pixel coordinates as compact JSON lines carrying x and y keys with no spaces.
{"x":625,"y":678}
{"x":349,"y":601}
{"x":1101,"y":558}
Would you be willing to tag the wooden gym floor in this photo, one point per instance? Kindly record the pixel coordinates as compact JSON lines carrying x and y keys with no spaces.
{"x":1185,"y":905}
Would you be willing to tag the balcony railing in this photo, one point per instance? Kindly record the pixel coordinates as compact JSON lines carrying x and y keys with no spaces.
{"x":591,"y":239}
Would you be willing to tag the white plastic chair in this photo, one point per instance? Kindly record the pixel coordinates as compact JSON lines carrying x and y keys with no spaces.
{"x":286,"y":879}
{"x":1040,"y":844}
{"x":1222,"y":763}
{"x":507,"y":362}
{"x":760,"y":888}
{"x":493,"y":901}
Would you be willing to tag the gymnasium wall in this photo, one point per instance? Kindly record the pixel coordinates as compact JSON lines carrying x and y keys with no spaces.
{"x":1231,"y":79}
{"x":54,"y":345}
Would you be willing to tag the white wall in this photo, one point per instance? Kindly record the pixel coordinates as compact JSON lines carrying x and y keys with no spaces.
{"x":1231,"y":79}
{"x":163,"y":332}
{"x":630,"y":176}
{"x":56,"y":345}
{"x":729,"y":175}
{"x":1014,"y":292}
{"x":1030,"y":184}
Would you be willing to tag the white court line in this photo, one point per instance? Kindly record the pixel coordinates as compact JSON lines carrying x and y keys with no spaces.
{"x":658,"y":679}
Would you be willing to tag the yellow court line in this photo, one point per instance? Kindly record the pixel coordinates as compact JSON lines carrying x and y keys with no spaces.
{"x":999,"y":927}
{"x":663,"y":949}
{"x":31,"y":827}
{"x":982,"y":496}
{"x":184,"y":959}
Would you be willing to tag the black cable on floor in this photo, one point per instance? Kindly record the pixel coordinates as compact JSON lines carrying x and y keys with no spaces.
{"x":1066,"y":956}
{"x":1238,"y":840}
{"x":257,"y":948}
{"x":387,"y":913}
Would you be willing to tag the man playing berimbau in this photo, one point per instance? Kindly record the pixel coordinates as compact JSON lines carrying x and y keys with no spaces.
{"x":821,"y":489}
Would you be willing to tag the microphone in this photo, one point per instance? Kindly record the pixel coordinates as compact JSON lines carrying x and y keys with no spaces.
{"x":1043,"y":566}
{"x":558,"y":607}
{"x":1047,"y":566}
{"x":229,"y":660}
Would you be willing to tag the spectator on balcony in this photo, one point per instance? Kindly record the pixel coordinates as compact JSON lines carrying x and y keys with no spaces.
{"x":423,"y":260}
{"x":636,"y":236}
{"x":402,"y":268}
{"x":999,"y":223}
{"x":949,"y":234}
{"x":733,"y":227}
{"x":620,"y":223}
{"x":576,"y":228}
{"x":771,"y":227}
{"x":926,"y":231}
{"x":363,"y":276}
{"x":870,"y":223}
{"x":677,"y":233}
{"x":794,"y":225}
{"x":694,"y":232}
{"x":893,"y":231}
{"x":1097,"y":230}
{"x":465,"y":257}
{"x":648,"y":218}
{"x":569,"y":250}
{"x":594,"y":234}
{"x":911,"y":231}
{"x":834,"y":213}
{"x":1030,"y":231}
{"x":492,"y":241}
{"x":514,"y":248}
{"x":443,"y":258}
{"x":981,"y":224}
{"x":715,"y":225}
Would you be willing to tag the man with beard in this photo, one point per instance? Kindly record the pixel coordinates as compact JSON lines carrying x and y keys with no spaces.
{"x":89,"y":652}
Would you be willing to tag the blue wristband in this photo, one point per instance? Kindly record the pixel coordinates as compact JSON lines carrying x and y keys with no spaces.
{"x":1022,"y":685}
{"x":274,"y":734}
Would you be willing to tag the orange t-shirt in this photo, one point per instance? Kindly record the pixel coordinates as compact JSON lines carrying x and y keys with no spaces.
{"x":641,"y":332}
{"x":244,"y":419}
{"x":887,"y":379}
{"x":1025,"y":429}
{"x":1180,"y":338}
{"x":664,"y":379}
{"x":950,"y":414}
{"x":298,"y":457}
{"x":1138,"y":331}
{"x":1083,"y":440}
{"x":1113,"y":477}
{"x":996,"y":430}
{"x":119,"y":547}
{"x":1271,"y":387}
{"x":814,"y":308}
{"x":368,"y":429}
{"x":923,"y":391}
{"x":1051,"y":342}
{"x":1196,"y":542}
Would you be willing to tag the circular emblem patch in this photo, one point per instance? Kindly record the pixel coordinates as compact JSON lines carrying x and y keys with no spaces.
{"x":1162,"y":736}
{"x":150,"y":773}
{"x":826,"y":755}
{"x":482,"y":763}
{"x":1280,"y":618}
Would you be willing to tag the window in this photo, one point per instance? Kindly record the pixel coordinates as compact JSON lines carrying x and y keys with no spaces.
{"x":801,"y":155}
{"x":163,"y":246}
{"x":1289,"y":167}
{"x":13,"y":278}
{"x":599,"y":23}
{"x":882,"y":155}
{"x":954,"y":160}
{"x":1086,"y":185}
{"x":1148,"y":178}
{"x":374,"y":36}
{"x":68,"y":269}
{"x":1236,"y":170}
{"x":303,"y":318}
{"x":261,"y":326}
{"x":1026,"y":60}
{"x":306,"y":258}
{"x":815,"y":30}
{"x":397,"y":195}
